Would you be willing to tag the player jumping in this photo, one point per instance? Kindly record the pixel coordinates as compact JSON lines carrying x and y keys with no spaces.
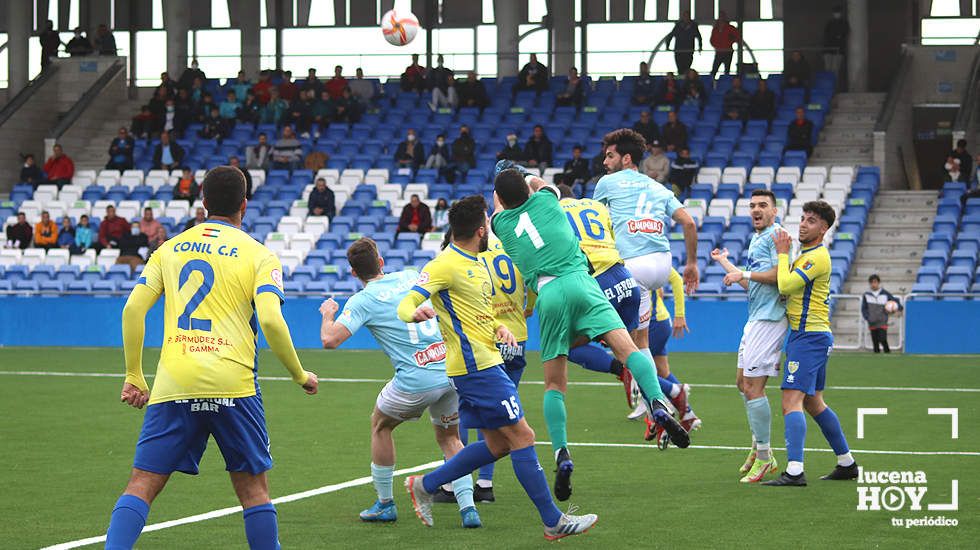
{"x":459,"y":286}
{"x":216,"y":278}
{"x":418,"y":355}
{"x":764,"y":333}
{"x":806,"y":283}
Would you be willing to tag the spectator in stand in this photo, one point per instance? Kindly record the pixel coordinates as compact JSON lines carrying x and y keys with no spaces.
{"x":597,"y":165}
{"x":410,"y":153}
{"x":346,"y":109}
{"x":196,"y":90}
{"x":241,"y":86}
{"x":184,"y":111}
{"x":200,"y":216}
{"x":646,"y":127}
{"x":670,"y":92}
{"x":50,"y":42}
{"x":45,"y":232}
{"x":66,"y":233}
{"x":121,"y":151}
{"x":300,"y":113}
{"x":682,"y":172}
{"x":214,"y":126}
{"x":322,"y":114}
{"x":250,"y":110}
{"x":835,"y":34}
{"x":736,"y":100}
{"x":724,"y":36}
{"x":645,"y":88}
{"x":533,"y":76}
{"x":674,"y":133}
{"x":228,"y":110}
{"x":84,"y":236}
{"x":79,"y":45}
{"x":472,"y":92}
{"x":111,"y":229}
{"x":445,"y":98}
{"x":575,"y":172}
{"x":312,"y":82}
{"x":187,"y":187}
{"x":20,"y":233}
{"x":415,"y":217}
{"x":191,"y":73}
{"x":462,"y":155}
{"x":440,"y":79}
{"x":287,"y":88}
{"x":204,"y":107}
{"x":234,"y":161}
{"x":142,"y":123}
{"x":287,"y":153}
{"x":130,"y":244}
{"x":105,"y":42}
{"x":693,"y":88}
{"x":336,"y":84}
{"x":153,"y":229}
{"x":169,"y":85}
{"x":263,"y":87}
{"x":275,"y":109}
{"x":966,"y":160}
{"x":321,"y":200}
{"x":59,"y":167}
{"x":573,"y":94}
{"x":170,"y":117}
{"x":31,"y":173}
{"x":363,"y":90}
{"x":656,"y":165}
{"x":763,"y":103}
{"x":684,"y":33}
{"x":511,"y":150}
{"x":952,"y":170}
{"x":799,"y":134}
{"x":873,"y":304}
{"x":440,"y":219}
{"x":158,"y":106}
{"x":796,"y":72}
{"x":439,"y":154}
{"x":257,"y":156}
{"x":538,"y":151}
{"x":413,"y":79}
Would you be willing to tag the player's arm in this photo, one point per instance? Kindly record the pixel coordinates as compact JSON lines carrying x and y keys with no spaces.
{"x":690,"y":228}
{"x":411,"y":310}
{"x":135,"y":390}
{"x":531,"y":297}
{"x":788,"y":280}
{"x":677,"y":291}
{"x":332,"y":333}
{"x":433,"y":278}
{"x":269,"y":308}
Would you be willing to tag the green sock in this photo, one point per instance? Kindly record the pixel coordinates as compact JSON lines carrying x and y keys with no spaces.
{"x":556,"y":418}
{"x":645,"y":375}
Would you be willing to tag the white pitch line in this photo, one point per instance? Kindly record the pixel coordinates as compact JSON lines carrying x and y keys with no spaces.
{"x":236,"y":509}
{"x":738,"y":448}
{"x":530,"y":382}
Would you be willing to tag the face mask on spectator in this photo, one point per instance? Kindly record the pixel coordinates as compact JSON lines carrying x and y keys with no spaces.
{"x":410,"y":137}
{"x":440,"y":142}
{"x":135,"y":230}
{"x":512,"y":142}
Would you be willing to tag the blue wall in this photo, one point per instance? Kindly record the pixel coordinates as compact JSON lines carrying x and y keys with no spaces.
{"x":715,"y":326}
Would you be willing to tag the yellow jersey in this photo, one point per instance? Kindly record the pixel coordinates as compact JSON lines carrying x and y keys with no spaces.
{"x":507,"y":293}
{"x":592,"y":225}
{"x":677,"y":291}
{"x":806,"y":284}
{"x":210,"y":275}
{"x":460,"y":289}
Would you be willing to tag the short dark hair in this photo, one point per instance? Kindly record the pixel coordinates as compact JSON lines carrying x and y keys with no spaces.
{"x":874,"y":277}
{"x":766,"y":193}
{"x":822,"y":210}
{"x":224,"y":190}
{"x":565,"y":191}
{"x":363,"y":258}
{"x":467,"y":215}
{"x":961,"y":143}
{"x":627,"y":142}
{"x":511,"y":188}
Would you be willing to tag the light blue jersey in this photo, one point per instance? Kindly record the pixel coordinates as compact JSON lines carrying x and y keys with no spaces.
{"x":640,"y":208}
{"x":765,"y":303}
{"x":416,"y":349}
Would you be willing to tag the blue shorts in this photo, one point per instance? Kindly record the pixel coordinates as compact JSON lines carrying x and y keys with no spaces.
{"x":514,"y":361}
{"x":175,"y":434}
{"x":806,"y":361}
{"x":487,"y":399}
{"x":660,"y":332}
{"x":623,"y":292}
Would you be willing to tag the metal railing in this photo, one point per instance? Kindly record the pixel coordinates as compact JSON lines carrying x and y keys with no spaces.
{"x":25,"y":94}
{"x":894,"y":92}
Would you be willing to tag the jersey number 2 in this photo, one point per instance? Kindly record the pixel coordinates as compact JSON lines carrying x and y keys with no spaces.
{"x":524,"y":225}
{"x":185,"y":321}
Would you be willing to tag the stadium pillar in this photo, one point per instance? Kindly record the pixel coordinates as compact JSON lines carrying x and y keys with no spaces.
{"x":248,"y":12}
{"x":857,"y":46}
{"x":505,"y":13}
{"x":19,"y":28}
{"x":177,"y":21}
{"x":563,"y":38}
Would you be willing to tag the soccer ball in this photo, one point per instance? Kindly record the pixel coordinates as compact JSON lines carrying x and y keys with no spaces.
{"x":891,"y":306}
{"x":399,"y":28}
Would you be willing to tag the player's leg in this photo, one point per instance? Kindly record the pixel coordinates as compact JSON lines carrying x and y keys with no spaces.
{"x":444,"y":413}
{"x":556,"y":420}
{"x":651,"y":272}
{"x":382,"y":465}
{"x":739,"y":384}
{"x":826,"y":418}
{"x":261,"y":519}
{"x":130,"y":512}
{"x":660,"y":333}
{"x":483,"y":491}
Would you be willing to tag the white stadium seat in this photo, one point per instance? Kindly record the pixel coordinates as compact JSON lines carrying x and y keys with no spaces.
{"x":57,"y":257}
{"x":290,"y":224}
{"x":316,"y":225}
{"x":277,"y":241}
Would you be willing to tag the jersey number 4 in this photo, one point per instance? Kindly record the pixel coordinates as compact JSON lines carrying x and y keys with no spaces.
{"x":185,"y":321}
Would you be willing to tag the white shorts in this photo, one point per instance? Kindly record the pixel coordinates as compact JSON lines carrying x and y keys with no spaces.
{"x":652,"y":271}
{"x":761,"y":347}
{"x":443,"y":404}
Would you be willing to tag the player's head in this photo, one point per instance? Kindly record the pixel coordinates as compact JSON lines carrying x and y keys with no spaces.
{"x":511,"y":188}
{"x":624,"y":150}
{"x":818,"y":217}
{"x":874,"y":281}
{"x":762,"y":208}
{"x":468,"y":220}
{"x":224,"y":192}
{"x":565,"y":191}
{"x":365,"y":263}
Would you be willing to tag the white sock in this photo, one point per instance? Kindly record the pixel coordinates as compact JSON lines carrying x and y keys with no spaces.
{"x":675,"y":390}
{"x":845,"y":459}
{"x":794,"y":468}
{"x":762,"y":451}
{"x":448,"y":487}
{"x":484,"y":483}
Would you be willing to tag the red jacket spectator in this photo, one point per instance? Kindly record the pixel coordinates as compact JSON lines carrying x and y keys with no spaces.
{"x":112,"y":228}
{"x":261,"y":89}
{"x":416,"y":217}
{"x":59,"y":166}
{"x":335,"y":86}
{"x":723,"y":36}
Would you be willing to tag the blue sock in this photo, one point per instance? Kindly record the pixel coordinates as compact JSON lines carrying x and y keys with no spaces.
{"x":463,"y":489}
{"x":486,"y":471}
{"x":128,"y":519}
{"x":470,"y":458}
{"x":464,"y":436}
{"x":529,"y":473}
{"x":673,"y":379}
{"x":795,"y":435}
{"x":760,"y":419}
{"x":591,"y":357}
{"x":665,"y":386}
{"x":830,"y":426}
{"x":261,"y":527}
